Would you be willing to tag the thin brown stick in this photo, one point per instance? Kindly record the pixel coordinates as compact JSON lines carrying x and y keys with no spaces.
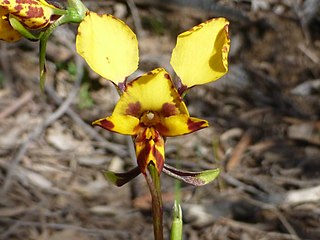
{"x":243,"y":144}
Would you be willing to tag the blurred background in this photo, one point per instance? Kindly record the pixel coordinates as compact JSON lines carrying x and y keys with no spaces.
{"x":264,"y":130}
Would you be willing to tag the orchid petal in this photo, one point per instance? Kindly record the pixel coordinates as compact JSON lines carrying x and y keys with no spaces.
{"x":201,"y":54}
{"x":108,"y":45}
{"x":150,"y":150}
{"x":153,"y":91}
{"x":120,"y":179}
{"x":180,"y":124}
{"x":193,"y":178}
{"x":123,"y":124}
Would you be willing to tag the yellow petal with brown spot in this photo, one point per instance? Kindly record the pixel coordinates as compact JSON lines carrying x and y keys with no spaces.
{"x":34,"y":14}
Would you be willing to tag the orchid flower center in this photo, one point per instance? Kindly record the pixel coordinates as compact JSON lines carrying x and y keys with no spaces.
{"x":150,"y":118}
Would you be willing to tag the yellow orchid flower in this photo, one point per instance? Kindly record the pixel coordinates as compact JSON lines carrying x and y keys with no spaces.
{"x":7,"y":33}
{"x":111,"y":49}
{"x":33,"y":14}
{"x":151,"y":109}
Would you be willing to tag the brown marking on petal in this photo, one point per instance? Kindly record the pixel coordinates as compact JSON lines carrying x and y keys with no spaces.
{"x":101,"y":14}
{"x":27,"y":2}
{"x":162,"y":129}
{"x":169,"y":109}
{"x":134,"y":109}
{"x":18,"y":8}
{"x":5,"y":8}
{"x":6,"y":2}
{"x":106,"y":124}
{"x":226,"y":28}
{"x":224,"y":49}
{"x":141,"y":136}
{"x":194,"y":126}
{"x":159,"y":159}
{"x":35,"y":12}
{"x":167,"y":76}
{"x":142,"y":157}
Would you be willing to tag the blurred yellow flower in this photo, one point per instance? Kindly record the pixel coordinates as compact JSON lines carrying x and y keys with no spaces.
{"x":16,"y":16}
{"x":7,"y":33}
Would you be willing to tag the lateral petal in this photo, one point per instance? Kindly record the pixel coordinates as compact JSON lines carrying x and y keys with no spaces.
{"x":180,"y":125}
{"x":108,"y":45}
{"x":201,"y":54}
{"x":120,"y":179}
{"x":123,"y":124}
{"x":193,"y":178}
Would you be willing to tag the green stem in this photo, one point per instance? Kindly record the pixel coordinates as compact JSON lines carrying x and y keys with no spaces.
{"x":74,"y":14}
{"x":153,"y":180}
{"x":43,"y":45}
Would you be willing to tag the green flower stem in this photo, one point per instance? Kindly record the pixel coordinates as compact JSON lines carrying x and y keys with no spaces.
{"x":43,"y":46}
{"x":153,"y":180}
{"x":74,"y":14}
{"x":58,"y":11}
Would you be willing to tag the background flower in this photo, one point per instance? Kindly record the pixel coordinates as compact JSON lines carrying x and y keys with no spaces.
{"x":7,"y":33}
{"x":35,"y":14}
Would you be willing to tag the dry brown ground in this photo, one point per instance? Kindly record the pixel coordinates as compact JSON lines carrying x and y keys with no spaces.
{"x":264,"y":134}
